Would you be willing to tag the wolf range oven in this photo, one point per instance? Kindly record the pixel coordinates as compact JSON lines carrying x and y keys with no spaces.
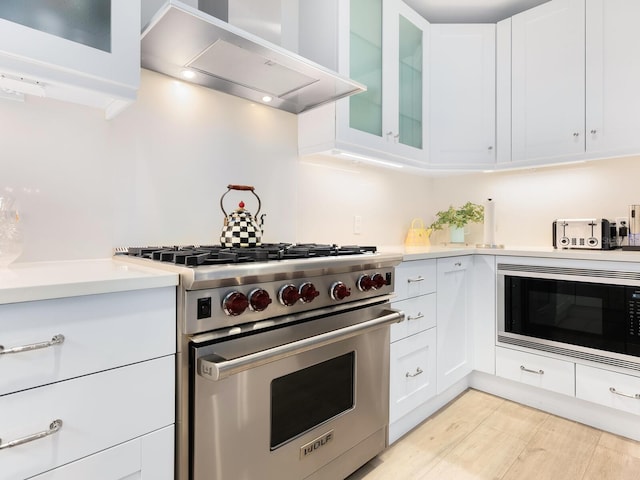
{"x":283,"y":359}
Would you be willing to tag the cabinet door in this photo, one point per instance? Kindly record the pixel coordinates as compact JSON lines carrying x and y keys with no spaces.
{"x":407,"y":114}
{"x":613,"y":76}
{"x":463,"y":95}
{"x":455,"y":348}
{"x":90,"y":46}
{"x":412,"y":373}
{"x":548,"y":81}
{"x":387,"y":51}
{"x":483,"y":312}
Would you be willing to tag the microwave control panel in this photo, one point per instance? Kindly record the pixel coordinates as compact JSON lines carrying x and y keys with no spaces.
{"x":633,"y":311}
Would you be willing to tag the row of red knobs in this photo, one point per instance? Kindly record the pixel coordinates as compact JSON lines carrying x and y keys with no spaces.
{"x":235,"y":303}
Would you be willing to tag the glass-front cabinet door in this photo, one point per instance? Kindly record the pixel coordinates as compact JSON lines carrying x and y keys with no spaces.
{"x":388,"y":45}
{"x":91,"y":45}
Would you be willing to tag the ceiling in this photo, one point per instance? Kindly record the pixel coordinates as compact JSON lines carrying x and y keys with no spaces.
{"x":470,"y":11}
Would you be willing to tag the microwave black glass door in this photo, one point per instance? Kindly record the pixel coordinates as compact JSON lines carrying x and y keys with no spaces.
{"x":309,"y":397}
{"x":579,"y":313}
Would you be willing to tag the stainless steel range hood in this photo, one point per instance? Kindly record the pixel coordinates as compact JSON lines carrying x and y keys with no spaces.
{"x":220,"y":56}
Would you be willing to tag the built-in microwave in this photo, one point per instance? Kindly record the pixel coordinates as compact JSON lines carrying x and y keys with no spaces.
{"x":587,"y":313}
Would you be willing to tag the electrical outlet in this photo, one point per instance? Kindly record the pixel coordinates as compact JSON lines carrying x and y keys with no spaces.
{"x":357,"y":224}
{"x":622,"y":222}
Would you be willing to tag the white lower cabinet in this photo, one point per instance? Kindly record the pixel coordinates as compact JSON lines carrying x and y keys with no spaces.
{"x":611,"y":389}
{"x":97,"y":412}
{"x":455,"y":345}
{"x":412,"y":373}
{"x":536,"y":370}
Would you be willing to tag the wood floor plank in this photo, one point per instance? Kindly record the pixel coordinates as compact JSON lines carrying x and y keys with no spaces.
{"x":559,"y":449}
{"x":486,"y":453}
{"x":517,"y":420}
{"x":620,"y":444}
{"x":607,"y":464}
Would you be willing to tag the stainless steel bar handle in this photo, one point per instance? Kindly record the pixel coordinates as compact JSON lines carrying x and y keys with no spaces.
{"x":419,"y":278}
{"x":56,"y":340}
{"x":218,"y":370}
{"x":537,"y":372}
{"x":628,"y":395}
{"x":418,"y":372}
{"x":417,"y":317}
{"x":54,"y":427}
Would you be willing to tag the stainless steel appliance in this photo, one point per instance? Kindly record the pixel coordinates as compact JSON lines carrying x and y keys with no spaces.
{"x":567,"y":308}
{"x":583,"y":233}
{"x":283,"y":359}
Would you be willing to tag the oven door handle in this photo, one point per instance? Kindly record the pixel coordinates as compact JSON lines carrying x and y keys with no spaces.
{"x":211,"y":369}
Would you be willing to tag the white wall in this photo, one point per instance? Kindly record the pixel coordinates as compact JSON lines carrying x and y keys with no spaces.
{"x":527,"y":201}
{"x":154,"y":175}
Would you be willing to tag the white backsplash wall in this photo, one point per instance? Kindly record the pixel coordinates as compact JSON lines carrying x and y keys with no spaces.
{"x":332,"y":192}
{"x":527,"y":201}
{"x":153,"y":175}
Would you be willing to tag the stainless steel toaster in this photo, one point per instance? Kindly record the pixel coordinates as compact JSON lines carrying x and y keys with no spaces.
{"x":586,"y":233}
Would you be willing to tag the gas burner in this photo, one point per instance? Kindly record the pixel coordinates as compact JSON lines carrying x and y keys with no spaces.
{"x":192,"y":255}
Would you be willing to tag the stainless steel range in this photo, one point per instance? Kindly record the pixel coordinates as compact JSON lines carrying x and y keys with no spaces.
{"x":283,"y":359}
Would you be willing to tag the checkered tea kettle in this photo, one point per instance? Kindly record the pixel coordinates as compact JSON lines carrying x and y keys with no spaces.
{"x":240,"y":228}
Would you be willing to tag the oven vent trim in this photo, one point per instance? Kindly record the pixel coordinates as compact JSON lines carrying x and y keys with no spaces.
{"x":592,"y":357}
{"x":573,"y":272}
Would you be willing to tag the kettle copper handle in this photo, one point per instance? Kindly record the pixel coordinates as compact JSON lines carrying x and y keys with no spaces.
{"x":240,"y":187}
{"x":243,"y":188}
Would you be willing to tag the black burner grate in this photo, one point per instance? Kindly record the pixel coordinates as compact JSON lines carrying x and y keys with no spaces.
{"x":192,"y":255}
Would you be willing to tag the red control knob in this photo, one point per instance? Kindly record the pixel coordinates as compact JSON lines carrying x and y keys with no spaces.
{"x":308,"y":292}
{"x":259,"y":299}
{"x":288,"y":295}
{"x":378,"y":281}
{"x":235,"y":303}
{"x":365,"y":283}
{"x":339,"y":291}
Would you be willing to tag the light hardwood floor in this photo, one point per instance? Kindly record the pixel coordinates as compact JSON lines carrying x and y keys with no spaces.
{"x":482,"y":437}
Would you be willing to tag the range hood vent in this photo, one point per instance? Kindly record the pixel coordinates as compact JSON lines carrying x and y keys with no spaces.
{"x":182,"y":39}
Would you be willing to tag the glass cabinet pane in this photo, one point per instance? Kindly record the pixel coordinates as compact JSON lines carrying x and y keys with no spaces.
{"x":365,"y":58}
{"x":82,"y":21}
{"x":410,"y":94}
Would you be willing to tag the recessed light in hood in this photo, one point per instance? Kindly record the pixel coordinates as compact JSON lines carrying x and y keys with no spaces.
{"x":228,"y":59}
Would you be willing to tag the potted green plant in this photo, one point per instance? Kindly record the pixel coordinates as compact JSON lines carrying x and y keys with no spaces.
{"x":457,"y":219}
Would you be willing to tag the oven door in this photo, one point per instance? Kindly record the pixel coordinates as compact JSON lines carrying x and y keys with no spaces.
{"x":308,"y":400}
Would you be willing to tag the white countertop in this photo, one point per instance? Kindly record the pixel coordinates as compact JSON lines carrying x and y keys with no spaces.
{"x":440,"y":251}
{"x":22,"y":282}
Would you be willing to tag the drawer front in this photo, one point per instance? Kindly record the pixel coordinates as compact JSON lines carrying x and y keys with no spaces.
{"x":100,"y":332}
{"x":149,"y":457}
{"x":97,"y":412}
{"x":538,"y":371}
{"x":412,"y":373}
{"x":420,"y":315}
{"x":415,"y":278}
{"x":595,"y":384}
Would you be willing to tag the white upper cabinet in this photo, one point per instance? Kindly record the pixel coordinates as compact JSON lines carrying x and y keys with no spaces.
{"x":567,"y":79}
{"x":384,"y":45}
{"x":82,"y":52}
{"x":463,"y":96}
{"x":548,"y":81}
{"x":613,"y":76}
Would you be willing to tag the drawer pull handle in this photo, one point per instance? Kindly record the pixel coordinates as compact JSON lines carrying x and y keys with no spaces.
{"x":417,"y":317}
{"x":458,"y":264}
{"x":537,"y":372}
{"x":418,"y":372}
{"x":56,"y":340}
{"x":635,"y":395}
{"x":419,"y":278}
{"x":55,"y":426}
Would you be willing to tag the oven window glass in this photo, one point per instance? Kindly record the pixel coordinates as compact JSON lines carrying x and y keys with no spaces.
{"x":579,"y":313}
{"x":309,"y":397}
